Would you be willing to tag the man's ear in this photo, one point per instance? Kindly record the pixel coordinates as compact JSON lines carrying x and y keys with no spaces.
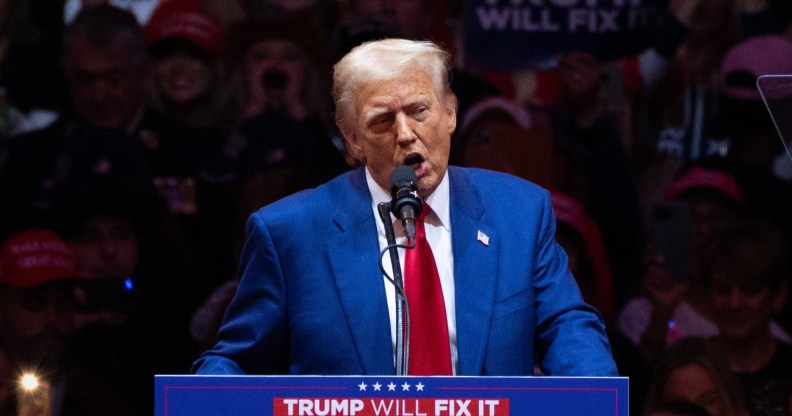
{"x":352,"y":143}
{"x":451,"y":112}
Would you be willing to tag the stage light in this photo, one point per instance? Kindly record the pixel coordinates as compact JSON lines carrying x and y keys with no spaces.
{"x":33,"y":395}
{"x":29,"y":382}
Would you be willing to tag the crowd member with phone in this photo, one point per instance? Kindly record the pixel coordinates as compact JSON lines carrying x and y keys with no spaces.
{"x":674,"y":306}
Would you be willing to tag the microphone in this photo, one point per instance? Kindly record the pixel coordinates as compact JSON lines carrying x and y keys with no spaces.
{"x":406,"y":204}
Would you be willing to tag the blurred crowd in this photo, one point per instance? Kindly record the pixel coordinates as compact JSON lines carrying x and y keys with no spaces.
{"x":137,"y":136}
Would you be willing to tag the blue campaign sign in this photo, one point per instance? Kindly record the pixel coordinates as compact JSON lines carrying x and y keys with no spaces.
{"x":525,"y":34}
{"x":389,"y":396}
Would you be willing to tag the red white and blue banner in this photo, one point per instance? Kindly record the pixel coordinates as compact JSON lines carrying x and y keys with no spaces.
{"x":526,"y":34}
{"x":390,"y":396}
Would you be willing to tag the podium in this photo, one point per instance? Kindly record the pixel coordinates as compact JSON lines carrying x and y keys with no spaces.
{"x":194,"y":395}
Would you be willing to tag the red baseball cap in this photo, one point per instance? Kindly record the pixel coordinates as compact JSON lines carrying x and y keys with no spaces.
{"x":699,"y":177}
{"x":751,"y":59}
{"x":497,"y":104}
{"x":186,"y":19}
{"x":34,"y":257}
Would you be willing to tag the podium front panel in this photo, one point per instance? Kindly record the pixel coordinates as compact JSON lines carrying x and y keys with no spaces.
{"x":193,"y":395}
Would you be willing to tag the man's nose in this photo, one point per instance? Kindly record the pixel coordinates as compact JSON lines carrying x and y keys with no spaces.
{"x":405,"y":133}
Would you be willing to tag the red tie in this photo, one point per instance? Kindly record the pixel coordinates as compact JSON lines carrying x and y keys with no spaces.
{"x":430,"y":352}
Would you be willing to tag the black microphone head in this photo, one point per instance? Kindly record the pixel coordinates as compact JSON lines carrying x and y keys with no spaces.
{"x":404,"y":189}
{"x":403,"y":176}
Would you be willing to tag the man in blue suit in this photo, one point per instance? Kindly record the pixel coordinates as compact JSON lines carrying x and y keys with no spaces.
{"x":312,"y":298}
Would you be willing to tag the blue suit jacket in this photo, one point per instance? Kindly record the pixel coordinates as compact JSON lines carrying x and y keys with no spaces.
{"x":311,"y":299}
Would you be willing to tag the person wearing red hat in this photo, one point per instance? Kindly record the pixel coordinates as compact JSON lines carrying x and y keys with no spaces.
{"x":188,"y":93}
{"x":186,"y":45}
{"x":37,"y":308}
{"x":675,"y":302}
{"x":714,"y":198}
{"x":35,"y":267}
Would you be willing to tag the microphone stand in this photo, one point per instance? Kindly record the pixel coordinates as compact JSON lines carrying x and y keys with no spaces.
{"x":402,"y":344}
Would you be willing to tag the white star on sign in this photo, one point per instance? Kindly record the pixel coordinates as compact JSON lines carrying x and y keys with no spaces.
{"x":362,"y":386}
{"x":419,"y":386}
{"x":405,"y":387}
{"x":377,"y":386}
{"x":391,"y":387}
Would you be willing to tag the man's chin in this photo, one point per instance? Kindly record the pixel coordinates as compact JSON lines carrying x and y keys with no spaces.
{"x":427,"y":185}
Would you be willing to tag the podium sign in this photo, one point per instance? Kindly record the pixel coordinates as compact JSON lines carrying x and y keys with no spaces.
{"x":389,"y":396}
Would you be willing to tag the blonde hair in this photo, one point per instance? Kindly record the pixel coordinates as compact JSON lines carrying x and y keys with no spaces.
{"x":384,"y":60}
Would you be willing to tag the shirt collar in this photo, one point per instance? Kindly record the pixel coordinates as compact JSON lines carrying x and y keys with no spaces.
{"x":438,"y":200}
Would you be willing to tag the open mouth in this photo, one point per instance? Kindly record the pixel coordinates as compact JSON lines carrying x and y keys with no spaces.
{"x":414,"y":161}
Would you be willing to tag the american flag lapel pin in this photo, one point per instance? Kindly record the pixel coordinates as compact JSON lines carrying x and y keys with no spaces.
{"x":483,"y":238}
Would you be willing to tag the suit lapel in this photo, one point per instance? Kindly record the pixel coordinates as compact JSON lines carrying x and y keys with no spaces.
{"x":475,"y":271}
{"x":355,"y":263}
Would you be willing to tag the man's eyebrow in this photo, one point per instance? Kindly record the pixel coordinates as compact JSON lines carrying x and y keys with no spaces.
{"x":375,"y":112}
{"x":379,"y":110}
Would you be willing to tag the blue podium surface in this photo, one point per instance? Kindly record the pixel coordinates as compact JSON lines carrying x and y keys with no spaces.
{"x":193,"y":395}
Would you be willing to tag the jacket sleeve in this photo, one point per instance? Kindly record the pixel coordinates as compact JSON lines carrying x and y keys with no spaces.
{"x":570,"y":335}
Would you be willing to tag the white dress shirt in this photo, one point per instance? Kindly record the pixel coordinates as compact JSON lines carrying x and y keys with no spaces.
{"x":438,"y":234}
